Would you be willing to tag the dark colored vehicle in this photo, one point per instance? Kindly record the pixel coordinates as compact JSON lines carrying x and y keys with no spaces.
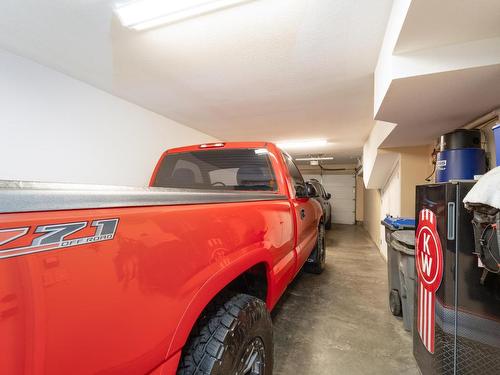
{"x":324,"y":199}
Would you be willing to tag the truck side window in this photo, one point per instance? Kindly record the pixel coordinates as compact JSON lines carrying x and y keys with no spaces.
{"x":298,"y":180}
{"x":323,"y":191}
{"x":221,"y":169}
{"x":320,"y":188}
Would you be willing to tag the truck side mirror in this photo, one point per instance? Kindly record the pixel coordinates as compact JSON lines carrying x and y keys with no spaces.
{"x":301,"y":191}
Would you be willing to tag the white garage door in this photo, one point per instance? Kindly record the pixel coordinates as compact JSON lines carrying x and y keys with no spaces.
{"x":343,"y":191}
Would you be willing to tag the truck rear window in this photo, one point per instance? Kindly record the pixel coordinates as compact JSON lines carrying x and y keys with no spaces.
{"x":222,"y":169}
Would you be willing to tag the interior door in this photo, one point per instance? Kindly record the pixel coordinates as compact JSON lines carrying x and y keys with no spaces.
{"x":305,"y":213}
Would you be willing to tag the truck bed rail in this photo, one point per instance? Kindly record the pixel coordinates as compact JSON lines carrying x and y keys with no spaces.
{"x":27,"y":196}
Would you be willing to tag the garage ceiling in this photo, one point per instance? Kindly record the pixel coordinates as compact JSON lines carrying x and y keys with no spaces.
{"x":446,"y":73}
{"x":448,"y":22}
{"x":269,"y":69}
{"x":445,"y":102}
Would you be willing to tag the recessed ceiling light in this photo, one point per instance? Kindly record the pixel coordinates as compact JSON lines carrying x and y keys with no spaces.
{"x":305,"y":143}
{"x":145,"y":14}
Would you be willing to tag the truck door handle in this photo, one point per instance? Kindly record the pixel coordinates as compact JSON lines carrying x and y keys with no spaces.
{"x":302,"y":214}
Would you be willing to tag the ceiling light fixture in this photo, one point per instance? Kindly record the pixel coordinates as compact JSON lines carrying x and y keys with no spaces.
{"x":261,"y":151}
{"x":298,"y":144}
{"x":145,"y":14}
{"x":319,"y":158}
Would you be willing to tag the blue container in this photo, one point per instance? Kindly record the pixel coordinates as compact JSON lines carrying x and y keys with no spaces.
{"x":460,"y":164}
{"x":496,"y":132}
{"x":398,"y":223}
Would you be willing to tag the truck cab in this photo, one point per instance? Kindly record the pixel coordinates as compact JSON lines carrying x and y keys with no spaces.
{"x":244,"y":166}
{"x":136,"y":279}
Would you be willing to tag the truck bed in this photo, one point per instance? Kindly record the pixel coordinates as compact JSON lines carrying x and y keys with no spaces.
{"x":121,"y":293}
{"x":27,"y":196}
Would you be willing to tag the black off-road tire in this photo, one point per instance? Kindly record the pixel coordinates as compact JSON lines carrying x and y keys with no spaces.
{"x":232,"y":333}
{"x":316,"y":261}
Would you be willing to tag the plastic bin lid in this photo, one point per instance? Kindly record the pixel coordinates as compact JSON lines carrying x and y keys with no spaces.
{"x":397,"y":223}
{"x":404,"y":241}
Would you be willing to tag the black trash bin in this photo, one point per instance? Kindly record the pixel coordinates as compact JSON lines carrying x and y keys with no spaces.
{"x":393,"y":224}
{"x":403,"y":242}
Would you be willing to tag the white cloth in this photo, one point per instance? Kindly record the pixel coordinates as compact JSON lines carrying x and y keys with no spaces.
{"x":486,"y":190}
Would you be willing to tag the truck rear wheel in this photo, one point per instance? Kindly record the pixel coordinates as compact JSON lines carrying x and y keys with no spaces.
{"x":236,"y":337}
{"x":316,"y":261}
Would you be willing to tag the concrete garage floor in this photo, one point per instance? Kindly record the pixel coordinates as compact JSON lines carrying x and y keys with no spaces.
{"x":339,"y":322}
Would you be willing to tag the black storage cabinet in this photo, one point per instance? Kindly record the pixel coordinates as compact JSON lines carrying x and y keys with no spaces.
{"x":467,"y":310}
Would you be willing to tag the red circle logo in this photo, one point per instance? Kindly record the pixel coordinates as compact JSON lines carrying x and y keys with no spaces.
{"x":429,"y":255}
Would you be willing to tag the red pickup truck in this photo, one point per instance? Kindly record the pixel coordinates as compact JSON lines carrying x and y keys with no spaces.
{"x":178,"y":277}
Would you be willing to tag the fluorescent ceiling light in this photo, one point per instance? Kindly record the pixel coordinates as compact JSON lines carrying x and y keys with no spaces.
{"x":261,"y":151}
{"x":145,"y":14}
{"x":298,"y":144}
{"x":314,"y":159}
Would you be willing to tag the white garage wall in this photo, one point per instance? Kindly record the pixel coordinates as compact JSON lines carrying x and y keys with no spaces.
{"x":55,"y":128}
{"x":390,"y":202}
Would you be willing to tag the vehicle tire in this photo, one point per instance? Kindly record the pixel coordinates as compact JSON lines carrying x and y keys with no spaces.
{"x":328,"y":224}
{"x":316,"y":261}
{"x":236,"y":337}
{"x":395,"y":302}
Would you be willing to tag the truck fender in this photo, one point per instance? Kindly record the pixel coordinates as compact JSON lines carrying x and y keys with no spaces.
{"x":212,"y":287}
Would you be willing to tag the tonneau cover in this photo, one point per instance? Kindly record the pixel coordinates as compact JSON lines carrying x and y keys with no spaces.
{"x":27,"y":196}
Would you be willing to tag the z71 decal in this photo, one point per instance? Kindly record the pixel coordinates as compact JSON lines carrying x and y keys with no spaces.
{"x":54,"y":236}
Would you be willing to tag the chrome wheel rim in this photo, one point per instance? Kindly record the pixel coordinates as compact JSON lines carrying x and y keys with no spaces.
{"x":253,"y":358}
